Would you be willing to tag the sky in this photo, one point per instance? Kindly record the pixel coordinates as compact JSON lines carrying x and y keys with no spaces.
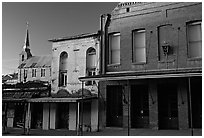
{"x":47,"y":20}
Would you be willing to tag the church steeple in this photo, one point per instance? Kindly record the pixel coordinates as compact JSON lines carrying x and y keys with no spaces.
{"x":27,"y":43}
{"x":25,"y":54}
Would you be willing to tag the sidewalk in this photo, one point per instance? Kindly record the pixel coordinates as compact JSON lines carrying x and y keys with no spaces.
{"x":105,"y":132}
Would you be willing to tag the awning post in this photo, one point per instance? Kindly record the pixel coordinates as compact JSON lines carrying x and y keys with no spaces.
{"x":78,"y":118}
{"x":82,"y":108}
{"x":190,"y":104}
{"x":128,"y":88}
{"x":5,"y":119}
{"x":24,"y":118}
{"x":28,"y":119}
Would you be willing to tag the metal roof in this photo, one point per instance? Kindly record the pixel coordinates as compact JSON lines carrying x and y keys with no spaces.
{"x":37,"y":61}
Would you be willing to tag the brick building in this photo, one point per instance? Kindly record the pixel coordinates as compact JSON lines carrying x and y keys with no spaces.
{"x":73,"y":57}
{"x":151,"y":65}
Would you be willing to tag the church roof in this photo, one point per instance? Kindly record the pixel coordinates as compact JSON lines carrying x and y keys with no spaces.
{"x":36,"y":62}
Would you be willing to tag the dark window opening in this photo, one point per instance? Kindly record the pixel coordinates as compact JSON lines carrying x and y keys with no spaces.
{"x":127,"y":9}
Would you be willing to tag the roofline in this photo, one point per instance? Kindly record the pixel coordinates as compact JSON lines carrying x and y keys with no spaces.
{"x":74,"y":37}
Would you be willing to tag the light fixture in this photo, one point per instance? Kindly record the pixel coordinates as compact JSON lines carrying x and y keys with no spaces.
{"x":166,"y":48}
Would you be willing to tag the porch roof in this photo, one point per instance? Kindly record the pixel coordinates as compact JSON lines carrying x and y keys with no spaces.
{"x":58,"y":100}
{"x":165,"y":73}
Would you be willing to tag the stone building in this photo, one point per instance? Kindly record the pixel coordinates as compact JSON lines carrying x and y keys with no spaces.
{"x":151,"y":66}
{"x":73,"y":57}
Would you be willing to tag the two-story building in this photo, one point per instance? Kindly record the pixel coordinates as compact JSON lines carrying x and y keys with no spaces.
{"x":151,"y":66}
{"x":74,"y":103}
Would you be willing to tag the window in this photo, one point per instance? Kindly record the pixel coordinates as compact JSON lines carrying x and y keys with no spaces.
{"x":90,"y":73}
{"x":63,"y":65}
{"x":42,"y":72}
{"x":25,"y":73}
{"x":114,"y":48}
{"x":165,"y":35}
{"x":33,"y":72}
{"x":91,"y":58}
{"x":194,"y":40}
{"x":139,"y":46}
{"x":63,"y":78}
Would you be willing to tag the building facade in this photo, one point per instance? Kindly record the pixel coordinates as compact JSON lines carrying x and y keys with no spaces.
{"x":151,"y":65}
{"x":73,"y":57}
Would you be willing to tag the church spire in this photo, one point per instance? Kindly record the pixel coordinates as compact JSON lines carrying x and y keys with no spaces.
{"x":27,"y":43}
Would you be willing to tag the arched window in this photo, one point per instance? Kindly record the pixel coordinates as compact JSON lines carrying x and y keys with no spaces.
{"x":63,"y":69}
{"x":91,"y":58}
{"x":90,"y":64}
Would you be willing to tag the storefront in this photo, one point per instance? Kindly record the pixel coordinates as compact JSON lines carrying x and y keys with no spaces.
{"x":165,"y":101}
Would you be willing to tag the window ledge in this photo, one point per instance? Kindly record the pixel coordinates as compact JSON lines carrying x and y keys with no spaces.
{"x":62,"y":86}
{"x":196,"y":58}
{"x":139,"y":63}
{"x":111,"y":65}
{"x":167,"y":61}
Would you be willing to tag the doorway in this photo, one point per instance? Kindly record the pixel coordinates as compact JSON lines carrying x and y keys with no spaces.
{"x":196,"y":100}
{"x":19,"y":115}
{"x":114,"y":106}
{"x":139,"y":106}
{"x":36,"y":115}
{"x":63,"y":116}
{"x":168,"y":106}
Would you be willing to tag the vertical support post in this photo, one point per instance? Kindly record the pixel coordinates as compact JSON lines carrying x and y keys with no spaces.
{"x":128,"y":88}
{"x":82,"y":108}
{"x":49,"y":117}
{"x":24,"y":118}
{"x":5,"y":119}
{"x":78,"y":118}
{"x":190,"y":104}
{"x":98,"y":107}
{"x":28,"y":120}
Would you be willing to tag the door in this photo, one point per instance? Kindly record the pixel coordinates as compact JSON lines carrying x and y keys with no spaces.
{"x":168,"y":106}
{"x":139,"y":106}
{"x":114,"y":106}
{"x":196,"y":100}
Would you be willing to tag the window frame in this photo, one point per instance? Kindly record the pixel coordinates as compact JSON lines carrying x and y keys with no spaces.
{"x":190,"y":23}
{"x":65,"y":74}
{"x":34,"y":73}
{"x":110,"y":63}
{"x":93,"y":73}
{"x":25,"y":73}
{"x":133,"y":46}
{"x":91,"y":51}
{"x":43,"y":74}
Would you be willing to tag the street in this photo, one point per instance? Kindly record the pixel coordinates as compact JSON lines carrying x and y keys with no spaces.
{"x":105,"y":132}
